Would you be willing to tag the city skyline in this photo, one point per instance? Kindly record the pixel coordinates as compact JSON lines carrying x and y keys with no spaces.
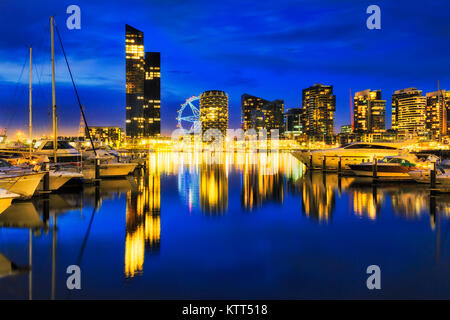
{"x":281,"y":57}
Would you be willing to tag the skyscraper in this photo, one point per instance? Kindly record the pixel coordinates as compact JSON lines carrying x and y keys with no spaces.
{"x":134,"y":51}
{"x":214,"y":111}
{"x":142,"y":87}
{"x":396,"y":96}
{"x":409,"y":105}
{"x":258,"y":114}
{"x":369,"y":112}
{"x":437,"y":113}
{"x":319,"y":104}
{"x":152,"y":94}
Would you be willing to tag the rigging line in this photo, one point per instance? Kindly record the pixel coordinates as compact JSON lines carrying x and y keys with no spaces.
{"x":83,"y":245}
{"x":11,"y":110}
{"x":76,"y":92}
{"x":86,"y":236}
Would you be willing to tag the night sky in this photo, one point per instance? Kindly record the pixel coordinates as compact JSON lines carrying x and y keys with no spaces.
{"x":268,"y":49}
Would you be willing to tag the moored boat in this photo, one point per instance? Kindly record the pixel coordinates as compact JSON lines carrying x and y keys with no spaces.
{"x":354,"y":153}
{"x":389,"y":168}
{"x":23,"y":184}
{"x":108,"y":170}
{"x":424,"y":175}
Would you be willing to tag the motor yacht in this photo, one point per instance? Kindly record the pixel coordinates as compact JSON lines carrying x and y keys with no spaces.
{"x":390,"y":167}
{"x":108,"y":170}
{"x":65,"y":153}
{"x":353,"y":153}
{"x":111,"y":163}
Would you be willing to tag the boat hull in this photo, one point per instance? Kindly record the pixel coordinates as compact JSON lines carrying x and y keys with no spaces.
{"x":109,"y":170}
{"x":59,"y":179}
{"x":383,"y":171}
{"x":24,"y":185}
{"x":6,"y":199}
{"x":348,"y":157}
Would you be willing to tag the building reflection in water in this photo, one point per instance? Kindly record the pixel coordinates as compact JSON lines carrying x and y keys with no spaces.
{"x":261,"y":180}
{"x":410,"y":202}
{"x":143,"y":222}
{"x":268,"y":177}
{"x":213,"y":181}
{"x":367,"y":201}
{"x":318,"y":196}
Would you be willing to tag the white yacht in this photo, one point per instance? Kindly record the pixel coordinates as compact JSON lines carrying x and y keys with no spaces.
{"x":354,"y":153}
{"x":58,"y":177}
{"x":424,"y":176}
{"x":65,"y":153}
{"x":111,"y":164}
{"x":108,"y":170}
{"x":22,"y":183}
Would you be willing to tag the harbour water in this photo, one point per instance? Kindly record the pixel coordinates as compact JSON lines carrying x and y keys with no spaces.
{"x":249,"y":226}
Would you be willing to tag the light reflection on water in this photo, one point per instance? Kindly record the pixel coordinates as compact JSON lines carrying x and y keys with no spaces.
{"x":156,"y":229}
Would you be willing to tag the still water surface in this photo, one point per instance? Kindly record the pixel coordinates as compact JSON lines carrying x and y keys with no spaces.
{"x":251,"y":226}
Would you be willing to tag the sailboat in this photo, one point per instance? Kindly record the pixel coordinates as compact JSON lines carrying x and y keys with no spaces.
{"x":115,"y":169}
{"x":13,"y":176}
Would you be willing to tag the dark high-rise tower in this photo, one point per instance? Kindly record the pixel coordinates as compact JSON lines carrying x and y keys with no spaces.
{"x":143,"y":98}
{"x":152,"y":94}
{"x":134,"y":51}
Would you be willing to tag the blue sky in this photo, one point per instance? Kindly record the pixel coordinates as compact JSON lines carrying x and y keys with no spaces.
{"x":269,"y":49}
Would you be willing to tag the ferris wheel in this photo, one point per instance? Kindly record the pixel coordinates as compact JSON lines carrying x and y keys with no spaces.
{"x":189,"y":115}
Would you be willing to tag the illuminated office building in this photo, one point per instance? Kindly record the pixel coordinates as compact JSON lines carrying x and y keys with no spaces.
{"x":109,"y":135}
{"x":437,"y":114}
{"x":259,"y":114}
{"x":319,"y":104}
{"x":214,"y":111}
{"x":142,"y":87}
{"x":369,"y":112}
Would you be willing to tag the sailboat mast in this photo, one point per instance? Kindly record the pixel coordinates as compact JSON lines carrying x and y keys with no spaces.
{"x":55,"y":135}
{"x":444,"y":111}
{"x":30,"y":100}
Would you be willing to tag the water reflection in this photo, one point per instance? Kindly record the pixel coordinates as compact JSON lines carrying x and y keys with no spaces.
{"x":193,"y":184}
{"x":143,"y":222}
{"x":213,"y":188}
{"x":318,"y":197}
